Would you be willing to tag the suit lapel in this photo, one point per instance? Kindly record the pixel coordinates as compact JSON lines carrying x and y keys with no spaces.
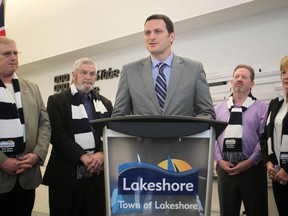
{"x":25,"y":95}
{"x":175,"y":76}
{"x":146,"y":73}
{"x":24,"y":98}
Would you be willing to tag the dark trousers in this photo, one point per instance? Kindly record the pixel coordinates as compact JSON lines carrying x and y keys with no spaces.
{"x":87,"y":200}
{"x":17,"y":202}
{"x":281,"y":197}
{"x":249,"y":187}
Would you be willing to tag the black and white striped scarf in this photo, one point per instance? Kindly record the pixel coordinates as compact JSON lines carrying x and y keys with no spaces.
{"x":83,"y":134}
{"x":232,"y":146}
{"x":12,"y":126}
{"x":284,"y":143}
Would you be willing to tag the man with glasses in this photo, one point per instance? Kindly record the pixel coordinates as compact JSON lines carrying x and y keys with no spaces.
{"x":74,"y":172}
{"x":24,"y":135}
{"x":241,"y":173}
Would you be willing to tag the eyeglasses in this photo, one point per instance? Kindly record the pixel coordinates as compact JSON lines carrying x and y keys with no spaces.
{"x":8,"y":54}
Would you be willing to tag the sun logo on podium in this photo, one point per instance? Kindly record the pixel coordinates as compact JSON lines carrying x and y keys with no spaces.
{"x":175,"y":165}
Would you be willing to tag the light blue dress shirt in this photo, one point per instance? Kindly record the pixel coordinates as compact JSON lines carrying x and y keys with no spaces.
{"x":167,"y":68}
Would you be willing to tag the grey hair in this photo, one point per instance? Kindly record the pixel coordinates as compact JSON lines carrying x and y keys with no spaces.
{"x":81,"y":61}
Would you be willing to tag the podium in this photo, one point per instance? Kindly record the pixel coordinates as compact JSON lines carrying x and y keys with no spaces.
{"x":158,"y":165}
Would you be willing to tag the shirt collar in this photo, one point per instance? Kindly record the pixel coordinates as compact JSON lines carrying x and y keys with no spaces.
{"x":282,"y":96}
{"x":167,"y":61}
{"x":82,"y":94}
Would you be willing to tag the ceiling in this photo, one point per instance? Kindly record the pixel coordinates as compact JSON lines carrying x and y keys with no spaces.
{"x":244,"y":10}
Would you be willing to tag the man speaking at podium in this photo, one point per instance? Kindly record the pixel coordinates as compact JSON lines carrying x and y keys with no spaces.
{"x":163,"y":83}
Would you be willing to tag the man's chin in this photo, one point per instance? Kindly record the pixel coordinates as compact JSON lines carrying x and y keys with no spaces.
{"x":239,"y":90}
{"x":85,"y":89}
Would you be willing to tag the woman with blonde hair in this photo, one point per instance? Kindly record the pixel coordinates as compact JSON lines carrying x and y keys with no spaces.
{"x":275,"y":143}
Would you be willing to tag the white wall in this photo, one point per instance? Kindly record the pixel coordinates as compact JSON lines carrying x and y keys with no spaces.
{"x":260,"y":41}
{"x":53,"y":27}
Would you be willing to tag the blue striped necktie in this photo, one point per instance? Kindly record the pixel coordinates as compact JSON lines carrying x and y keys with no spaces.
{"x":160,"y":86}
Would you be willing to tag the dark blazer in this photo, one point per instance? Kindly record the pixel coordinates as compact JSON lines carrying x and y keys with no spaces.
{"x":65,"y":153}
{"x":37,"y":138}
{"x":273,"y":110}
{"x":187,"y":94}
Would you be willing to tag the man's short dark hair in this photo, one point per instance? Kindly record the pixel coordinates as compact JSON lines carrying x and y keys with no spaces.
{"x":166,"y":19}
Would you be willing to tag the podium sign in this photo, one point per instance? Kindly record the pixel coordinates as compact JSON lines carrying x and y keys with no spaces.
{"x":159,"y":166}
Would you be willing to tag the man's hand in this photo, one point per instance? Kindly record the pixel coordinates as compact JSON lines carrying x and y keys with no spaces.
{"x":240,"y":167}
{"x":233,"y":169}
{"x":86,"y":160}
{"x":10,"y":166}
{"x":97,"y":162}
{"x":26,"y":162}
{"x":226,"y":165}
{"x":14,"y":166}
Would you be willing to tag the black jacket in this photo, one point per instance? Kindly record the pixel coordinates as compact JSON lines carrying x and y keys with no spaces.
{"x":273,"y":110}
{"x":65,"y":153}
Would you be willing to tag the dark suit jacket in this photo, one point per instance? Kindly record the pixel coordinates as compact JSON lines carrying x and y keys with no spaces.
{"x":187,"y":94}
{"x":65,"y":153}
{"x":37,"y":138}
{"x":273,"y":110}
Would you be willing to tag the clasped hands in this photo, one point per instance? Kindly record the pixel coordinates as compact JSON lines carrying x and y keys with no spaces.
{"x":233,"y":169}
{"x":15,"y":166}
{"x":281,"y":176}
{"x":93,"y":162}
